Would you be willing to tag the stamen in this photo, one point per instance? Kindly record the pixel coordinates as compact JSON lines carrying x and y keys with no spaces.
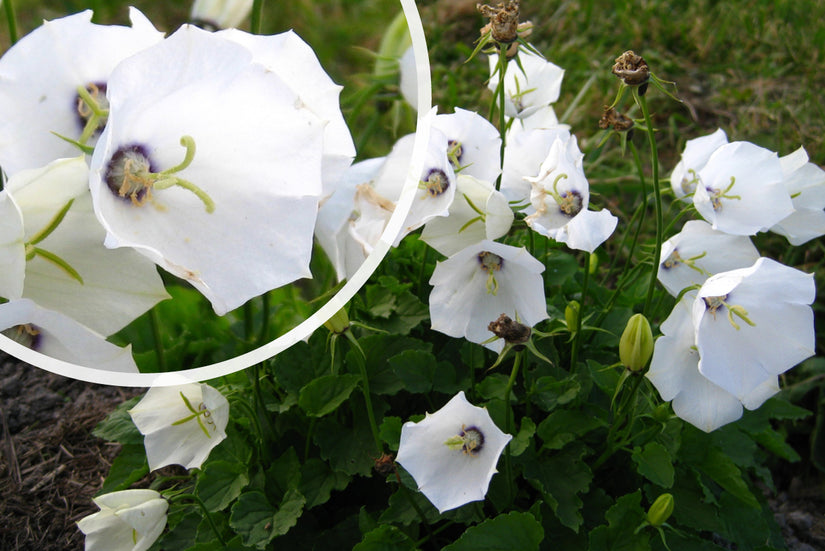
{"x":491,"y":263}
{"x":470,"y":440}
{"x":436,"y":182}
{"x":716,"y":195}
{"x":26,"y":334}
{"x":92,"y":109}
{"x":454,"y":152}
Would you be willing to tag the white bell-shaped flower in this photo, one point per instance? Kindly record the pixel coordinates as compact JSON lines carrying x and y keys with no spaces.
{"x":43,"y":76}
{"x":685,"y":175}
{"x":181,"y":424}
{"x":210,"y":165}
{"x":128,"y":520}
{"x":479,"y":283}
{"x":805,"y":183}
{"x":452,"y":453}
{"x":525,"y":153}
{"x":58,"y":259}
{"x":478,"y":212}
{"x":560,"y":196}
{"x":698,"y":251}
{"x":59,"y":336}
{"x":740,"y":189}
{"x":674,"y":371}
{"x":753,"y":324}
{"x":473,"y":144}
{"x":530,"y":83}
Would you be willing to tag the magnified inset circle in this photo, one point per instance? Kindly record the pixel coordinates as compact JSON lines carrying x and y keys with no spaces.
{"x":353,"y":283}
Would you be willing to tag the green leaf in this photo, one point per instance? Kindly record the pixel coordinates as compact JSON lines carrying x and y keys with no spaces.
{"x":564,"y":426}
{"x":390,"y":431}
{"x":385,"y":538}
{"x":503,"y":533}
{"x":523,"y":438}
{"x":318,"y":481}
{"x":562,"y":476}
{"x":128,"y":467}
{"x":560,"y":267}
{"x":379,"y":349}
{"x":493,"y":386}
{"x":323,"y":395}
{"x":623,"y":518}
{"x":220,"y":483}
{"x":415,"y":368}
{"x":547,"y":392}
{"x":258,"y":522}
{"x":118,"y":425}
{"x":654,"y":463}
{"x":401,"y":511}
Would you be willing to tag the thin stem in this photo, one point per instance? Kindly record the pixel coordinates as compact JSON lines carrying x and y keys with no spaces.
{"x":507,"y":422}
{"x":195,"y":499}
{"x":256,"y":21}
{"x":365,"y":388}
{"x":574,"y":356}
{"x":657,"y":254}
{"x":253,"y":418}
{"x":154,"y":324}
{"x":265,"y":303}
{"x":502,"y":124}
{"x":11,"y":19}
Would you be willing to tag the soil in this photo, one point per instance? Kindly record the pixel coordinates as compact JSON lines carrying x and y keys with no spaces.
{"x":51,"y":465}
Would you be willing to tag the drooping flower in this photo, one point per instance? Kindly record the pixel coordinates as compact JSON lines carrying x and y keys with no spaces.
{"x":674,"y":371}
{"x":55,"y":255}
{"x":530,"y":83}
{"x":473,"y":144}
{"x":478,"y":212}
{"x":698,"y":252}
{"x":525,"y":153}
{"x":59,"y":336}
{"x":753,"y":324}
{"x":697,"y":151}
{"x":181,"y":424}
{"x":477,"y":284}
{"x":740,"y":189}
{"x":560,"y":196}
{"x":219,"y":14}
{"x":805,"y":183}
{"x":43,"y":80}
{"x":452,"y":453}
{"x":202,"y":138}
{"x":128,"y":520}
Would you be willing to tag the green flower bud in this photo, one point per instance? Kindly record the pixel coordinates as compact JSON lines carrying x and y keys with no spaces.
{"x":661,"y":510}
{"x":571,"y":315}
{"x":636,"y":344}
{"x":339,"y":322}
{"x":593,"y":263}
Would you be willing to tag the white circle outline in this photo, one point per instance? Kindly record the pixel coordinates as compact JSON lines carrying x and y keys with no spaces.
{"x":314,"y":321}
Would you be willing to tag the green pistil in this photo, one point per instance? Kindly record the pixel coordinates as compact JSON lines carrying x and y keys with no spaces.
{"x":674,"y":259}
{"x":689,"y":186}
{"x":89,"y":108}
{"x":196,"y":414}
{"x":32,"y":250}
{"x":490,"y":263}
{"x":716,"y":196}
{"x":714,"y":303}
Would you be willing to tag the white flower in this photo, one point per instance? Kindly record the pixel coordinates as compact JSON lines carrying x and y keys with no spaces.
{"x":740,"y":189}
{"x":560,"y":196}
{"x":698,"y":252}
{"x":338,"y":212}
{"x":40,"y":77}
{"x":478,"y":212}
{"x":181,"y":424}
{"x":805,"y":183}
{"x":220,"y":14}
{"x":452,"y":453}
{"x":523,"y":157}
{"x":210,"y":165}
{"x":753,"y":324}
{"x":531,"y":89}
{"x":108,"y":290}
{"x":674,"y":371}
{"x":59,"y":336}
{"x":129,"y":520}
{"x":473,"y":144}
{"x":479,"y":283}
{"x":697,"y":151}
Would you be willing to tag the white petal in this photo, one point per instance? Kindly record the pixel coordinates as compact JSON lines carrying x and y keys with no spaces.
{"x":12,"y":248}
{"x":587,"y":230}
{"x":480,"y":142}
{"x":523,"y":157}
{"x":694,"y":157}
{"x":528,"y":90}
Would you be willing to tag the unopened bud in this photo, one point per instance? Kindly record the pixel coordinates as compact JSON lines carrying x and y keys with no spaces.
{"x":339,"y":322}
{"x":636,"y":344}
{"x":571,"y":315}
{"x":661,"y":510}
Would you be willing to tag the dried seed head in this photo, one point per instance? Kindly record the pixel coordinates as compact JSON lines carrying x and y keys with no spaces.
{"x":615,"y":120}
{"x":632,"y":69}
{"x":503,"y":20}
{"x":511,"y":331}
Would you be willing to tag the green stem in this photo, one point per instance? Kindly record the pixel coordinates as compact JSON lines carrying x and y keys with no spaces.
{"x":265,"y":308}
{"x":253,"y":418}
{"x":365,"y":388}
{"x":574,"y":356}
{"x":11,"y":19}
{"x":502,"y":124}
{"x":642,"y":101}
{"x":195,"y":499}
{"x":508,"y":422}
{"x":256,"y":21}
{"x":154,"y":324}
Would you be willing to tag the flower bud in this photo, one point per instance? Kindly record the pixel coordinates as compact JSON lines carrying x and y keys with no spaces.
{"x":661,"y":510}
{"x":339,"y":322}
{"x":636,"y":344}
{"x":571,"y":315}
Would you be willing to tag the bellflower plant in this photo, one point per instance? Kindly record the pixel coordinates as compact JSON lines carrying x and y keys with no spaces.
{"x":530,"y":83}
{"x":128,"y":520}
{"x":452,"y":453}
{"x":54,"y":81}
{"x":805,"y":183}
{"x":181,"y":424}
{"x":685,"y":175}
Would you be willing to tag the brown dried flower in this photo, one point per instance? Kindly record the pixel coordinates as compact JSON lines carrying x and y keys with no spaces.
{"x":503,"y":20}
{"x":511,"y":331}
{"x":632,"y":69}
{"x":613,"y":119}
